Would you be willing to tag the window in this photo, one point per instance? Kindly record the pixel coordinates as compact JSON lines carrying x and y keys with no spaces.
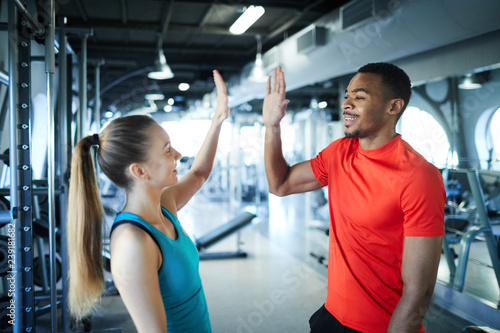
{"x":494,"y":132}
{"x":187,"y":135}
{"x":427,"y":136}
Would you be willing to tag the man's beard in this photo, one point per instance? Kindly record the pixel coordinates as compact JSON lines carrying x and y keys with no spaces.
{"x":352,"y":135}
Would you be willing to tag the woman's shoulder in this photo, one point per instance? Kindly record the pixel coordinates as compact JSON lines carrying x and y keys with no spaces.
{"x":129,"y":233}
{"x":131,"y":241}
{"x":134,"y":255}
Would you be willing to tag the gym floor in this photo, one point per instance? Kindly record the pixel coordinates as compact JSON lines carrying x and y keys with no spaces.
{"x":278,"y":285}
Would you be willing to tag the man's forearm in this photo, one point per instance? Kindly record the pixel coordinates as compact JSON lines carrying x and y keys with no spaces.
{"x":410,"y":312}
{"x":276,"y":165}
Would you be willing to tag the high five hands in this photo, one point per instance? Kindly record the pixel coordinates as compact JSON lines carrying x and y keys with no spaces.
{"x":222,"y":109}
{"x":274,"y":107}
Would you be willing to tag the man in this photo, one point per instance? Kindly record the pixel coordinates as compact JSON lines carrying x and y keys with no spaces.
{"x":386,"y":206}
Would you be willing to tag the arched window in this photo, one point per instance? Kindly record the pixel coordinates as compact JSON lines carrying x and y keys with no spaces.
{"x":427,"y":136}
{"x":494,"y":134}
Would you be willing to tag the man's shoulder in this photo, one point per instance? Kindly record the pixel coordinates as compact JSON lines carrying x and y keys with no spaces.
{"x":414,"y":159}
{"x":418,"y":167}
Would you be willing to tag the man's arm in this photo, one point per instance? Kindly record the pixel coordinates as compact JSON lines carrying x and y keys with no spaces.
{"x":419,"y":271}
{"x":283,"y":179}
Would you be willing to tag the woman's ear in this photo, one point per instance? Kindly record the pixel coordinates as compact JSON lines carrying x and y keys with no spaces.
{"x":138,"y":171}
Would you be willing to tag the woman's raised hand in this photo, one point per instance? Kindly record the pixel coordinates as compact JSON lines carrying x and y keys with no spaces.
{"x":222,"y":109}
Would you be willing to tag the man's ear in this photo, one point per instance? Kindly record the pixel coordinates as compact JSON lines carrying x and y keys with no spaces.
{"x":396,"y":106}
{"x":138,"y":171}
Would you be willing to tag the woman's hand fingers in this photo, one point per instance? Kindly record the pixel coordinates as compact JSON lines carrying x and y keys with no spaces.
{"x":222,"y":109}
{"x":219,"y":83}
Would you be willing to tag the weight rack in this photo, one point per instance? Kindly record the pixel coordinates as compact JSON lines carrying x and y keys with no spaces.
{"x":20,"y":165}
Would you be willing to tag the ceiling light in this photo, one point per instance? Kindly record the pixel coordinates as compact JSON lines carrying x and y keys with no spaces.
{"x":154,"y":97}
{"x":161,"y":70}
{"x":152,"y":107}
{"x":108,"y":114}
{"x":469,"y":82}
{"x":247,"y":19}
{"x":258,"y":72}
{"x":322,"y":104}
{"x":313,"y":104}
{"x":183,"y":86}
{"x":170,"y":101}
{"x":167,"y":108}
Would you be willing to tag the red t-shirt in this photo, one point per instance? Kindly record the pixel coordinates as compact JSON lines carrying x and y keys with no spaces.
{"x":376,"y":198}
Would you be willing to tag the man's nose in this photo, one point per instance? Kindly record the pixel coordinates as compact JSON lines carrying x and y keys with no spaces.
{"x":346,"y":105}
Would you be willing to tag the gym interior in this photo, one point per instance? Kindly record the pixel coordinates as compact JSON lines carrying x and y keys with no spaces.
{"x":68,"y":68}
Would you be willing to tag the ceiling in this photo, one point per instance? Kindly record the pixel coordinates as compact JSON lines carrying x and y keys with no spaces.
{"x":124,"y":37}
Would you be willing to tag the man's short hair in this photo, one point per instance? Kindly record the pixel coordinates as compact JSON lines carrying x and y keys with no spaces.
{"x":395,"y":80}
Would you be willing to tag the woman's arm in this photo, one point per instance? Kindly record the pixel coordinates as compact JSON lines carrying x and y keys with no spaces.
{"x":192,"y":181}
{"x":135,"y":259}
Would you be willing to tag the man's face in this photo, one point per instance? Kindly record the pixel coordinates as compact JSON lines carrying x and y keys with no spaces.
{"x":365,"y":107}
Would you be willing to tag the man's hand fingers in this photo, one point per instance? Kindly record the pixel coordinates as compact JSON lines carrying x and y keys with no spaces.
{"x":268,"y":86}
{"x":283,"y":83}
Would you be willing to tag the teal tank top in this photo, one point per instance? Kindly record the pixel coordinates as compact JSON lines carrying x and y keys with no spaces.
{"x":179,"y":277}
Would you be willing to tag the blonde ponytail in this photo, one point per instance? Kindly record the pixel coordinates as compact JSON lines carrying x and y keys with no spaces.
{"x":84,"y":230}
{"x":122,"y":142}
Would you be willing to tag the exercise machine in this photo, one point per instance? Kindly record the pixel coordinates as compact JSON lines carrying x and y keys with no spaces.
{"x":222,"y":232}
{"x":482,"y":186}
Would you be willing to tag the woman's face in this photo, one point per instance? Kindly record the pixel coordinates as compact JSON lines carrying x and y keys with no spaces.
{"x":162,"y":162}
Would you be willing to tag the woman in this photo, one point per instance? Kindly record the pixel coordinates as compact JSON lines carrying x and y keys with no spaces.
{"x":153,"y":262}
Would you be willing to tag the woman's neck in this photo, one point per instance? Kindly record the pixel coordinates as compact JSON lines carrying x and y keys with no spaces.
{"x":144,"y":203}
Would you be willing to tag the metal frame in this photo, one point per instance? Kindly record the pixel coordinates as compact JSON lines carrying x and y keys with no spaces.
{"x":82,"y":125}
{"x":20,"y":164}
{"x":39,"y":30}
{"x":63,"y":155}
{"x":450,"y":257}
{"x":21,"y":187}
{"x":4,"y":77}
{"x":50,"y":69}
{"x":484,"y":227}
{"x":97,"y":103}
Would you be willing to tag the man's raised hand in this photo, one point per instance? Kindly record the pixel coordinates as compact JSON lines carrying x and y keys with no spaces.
{"x":274,"y":107}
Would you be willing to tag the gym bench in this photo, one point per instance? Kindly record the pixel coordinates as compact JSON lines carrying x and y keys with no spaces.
{"x":221,"y":232}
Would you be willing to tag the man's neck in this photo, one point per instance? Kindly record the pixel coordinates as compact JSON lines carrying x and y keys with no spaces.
{"x":370,"y":143}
